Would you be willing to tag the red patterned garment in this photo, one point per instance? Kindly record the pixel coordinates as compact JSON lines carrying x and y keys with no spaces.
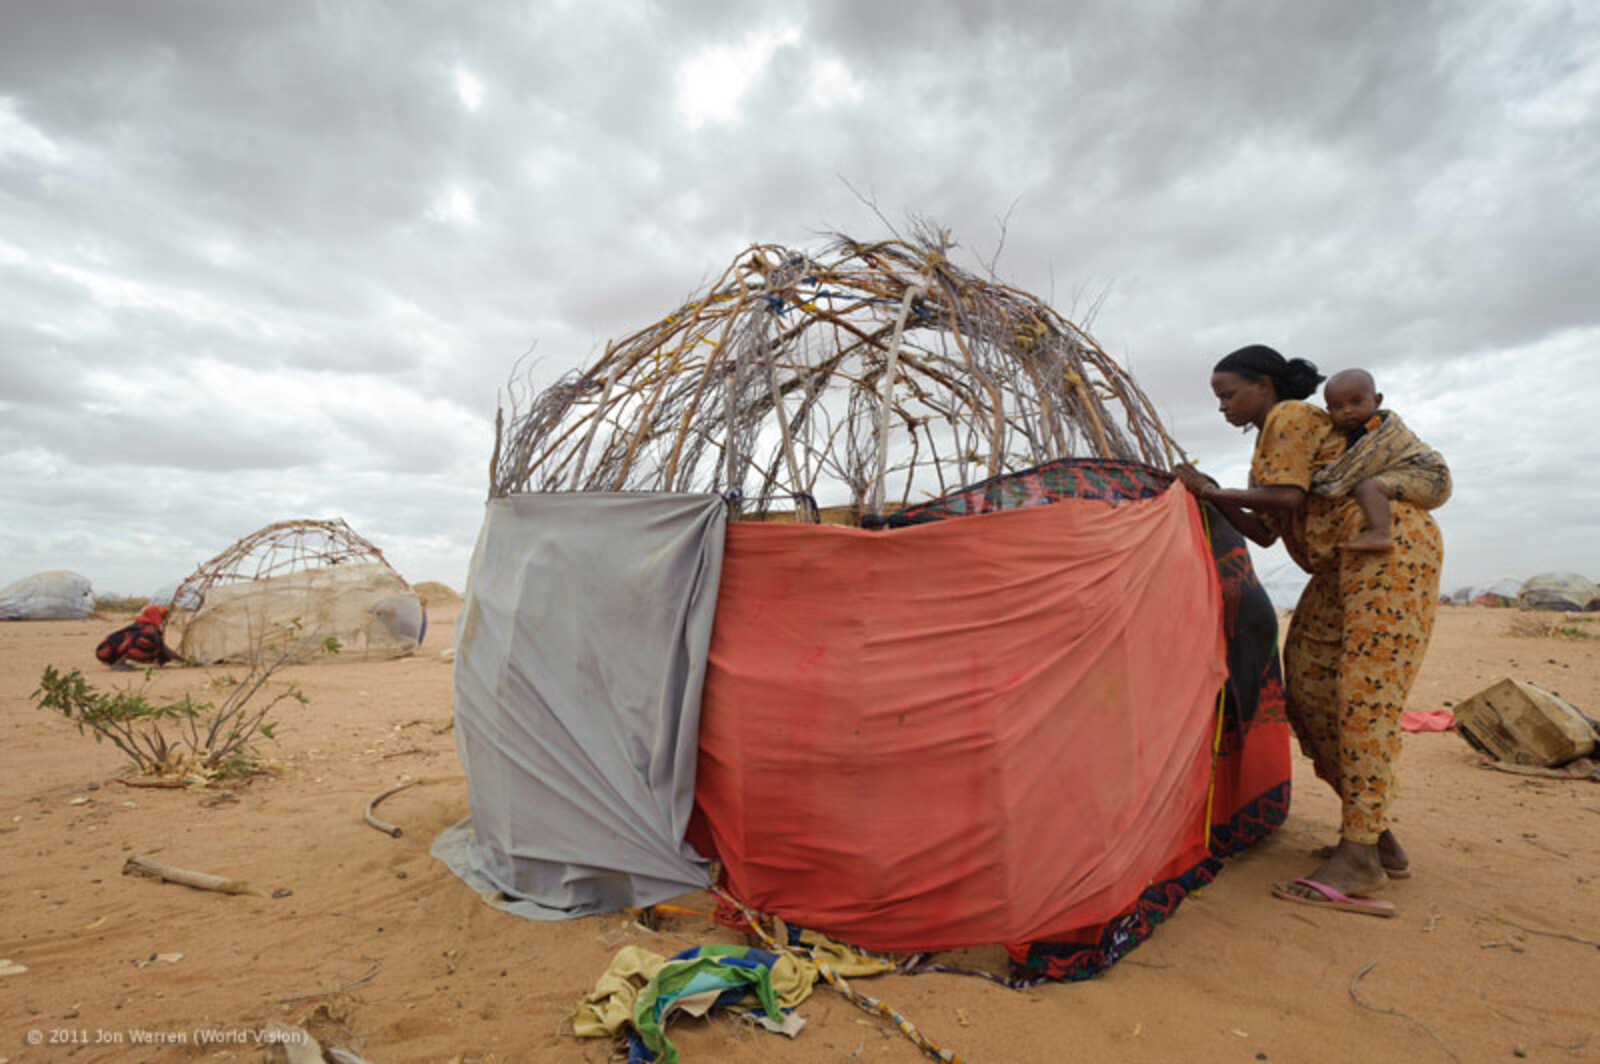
{"x":139,"y":643}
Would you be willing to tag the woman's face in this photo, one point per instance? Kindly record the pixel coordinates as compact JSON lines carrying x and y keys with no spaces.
{"x":1243,"y":401}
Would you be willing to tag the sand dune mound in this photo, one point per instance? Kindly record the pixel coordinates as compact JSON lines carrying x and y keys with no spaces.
{"x":434,"y":593}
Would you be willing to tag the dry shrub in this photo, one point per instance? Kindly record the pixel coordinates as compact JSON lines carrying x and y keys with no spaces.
{"x":1541,"y":626}
{"x":119,"y":603}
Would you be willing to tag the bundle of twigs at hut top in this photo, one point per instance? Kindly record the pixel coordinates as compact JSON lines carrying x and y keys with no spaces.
{"x":869,"y":375}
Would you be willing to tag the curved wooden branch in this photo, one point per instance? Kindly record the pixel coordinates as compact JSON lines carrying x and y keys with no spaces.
{"x":383,"y":825}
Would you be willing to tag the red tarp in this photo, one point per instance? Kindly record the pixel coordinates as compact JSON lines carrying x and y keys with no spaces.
{"x":993,"y":729}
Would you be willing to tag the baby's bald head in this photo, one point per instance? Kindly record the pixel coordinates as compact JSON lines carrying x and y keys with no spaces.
{"x":1352,"y":397}
{"x":1350,"y":379}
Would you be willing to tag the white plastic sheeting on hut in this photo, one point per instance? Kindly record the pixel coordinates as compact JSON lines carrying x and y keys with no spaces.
{"x":54,"y":595}
{"x":366,"y":606}
{"x":1556,"y":591}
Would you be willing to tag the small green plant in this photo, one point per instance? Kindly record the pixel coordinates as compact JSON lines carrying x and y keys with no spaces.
{"x":179,"y":737}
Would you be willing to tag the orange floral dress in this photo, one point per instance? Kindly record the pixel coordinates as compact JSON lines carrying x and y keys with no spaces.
{"x":1362,"y":624}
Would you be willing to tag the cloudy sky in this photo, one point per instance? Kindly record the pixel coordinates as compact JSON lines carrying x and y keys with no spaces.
{"x":271,"y":260}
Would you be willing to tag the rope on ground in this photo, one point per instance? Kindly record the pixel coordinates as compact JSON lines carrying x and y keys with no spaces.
{"x":838,"y":982}
{"x":1546,"y":934}
{"x":1396,"y":1012}
{"x":1222,"y":701}
{"x":1216,"y":755}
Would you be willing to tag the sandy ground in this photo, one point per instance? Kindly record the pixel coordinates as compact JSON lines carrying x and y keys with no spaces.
{"x":380,"y":949}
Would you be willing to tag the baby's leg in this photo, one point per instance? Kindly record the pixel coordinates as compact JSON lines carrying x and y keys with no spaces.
{"x":1373,"y":498}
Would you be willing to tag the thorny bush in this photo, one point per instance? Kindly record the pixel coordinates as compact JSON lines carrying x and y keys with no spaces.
{"x":183,"y":738}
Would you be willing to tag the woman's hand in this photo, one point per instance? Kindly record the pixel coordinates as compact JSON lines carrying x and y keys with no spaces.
{"x":1200,"y":485}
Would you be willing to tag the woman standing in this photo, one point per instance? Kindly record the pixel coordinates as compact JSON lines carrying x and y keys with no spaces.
{"x":1359,"y":630}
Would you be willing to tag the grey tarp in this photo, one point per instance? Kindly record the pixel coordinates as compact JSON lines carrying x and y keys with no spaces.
{"x":580,"y":652}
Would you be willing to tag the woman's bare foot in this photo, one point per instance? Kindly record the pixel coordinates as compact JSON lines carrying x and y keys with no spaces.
{"x":1352,"y":868}
{"x":1396,"y":863}
{"x":1371,"y":541}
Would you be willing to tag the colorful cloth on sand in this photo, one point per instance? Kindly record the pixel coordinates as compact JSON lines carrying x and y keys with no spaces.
{"x":824,"y":952}
{"x":641,"y":990}
{"x":1413,"y":471}
{"x":1427,"y":720}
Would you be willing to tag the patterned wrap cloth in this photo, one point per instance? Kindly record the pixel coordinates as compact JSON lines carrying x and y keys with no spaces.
{"x":1362,"y":623}
{"x":1391,"y":453}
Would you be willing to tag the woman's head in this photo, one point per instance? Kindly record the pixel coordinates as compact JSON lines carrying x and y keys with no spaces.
{"x":1248,"y":381}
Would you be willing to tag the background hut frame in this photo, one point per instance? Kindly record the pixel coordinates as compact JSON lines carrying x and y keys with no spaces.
{"x":871,"y":375}
{"x":276,"y":550}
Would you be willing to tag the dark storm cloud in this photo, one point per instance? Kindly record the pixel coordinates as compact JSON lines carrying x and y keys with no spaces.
{"x":289,"y":216}
{"x":148,"y":442}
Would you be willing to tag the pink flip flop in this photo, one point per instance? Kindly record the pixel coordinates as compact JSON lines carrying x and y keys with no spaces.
{"x":1332,"y":899}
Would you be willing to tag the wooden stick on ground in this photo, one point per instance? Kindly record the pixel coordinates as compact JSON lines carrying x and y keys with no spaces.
{"x":149,"y":866}
{"x":383,"y":825}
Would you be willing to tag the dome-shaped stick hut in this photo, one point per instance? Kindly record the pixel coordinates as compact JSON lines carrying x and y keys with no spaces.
{"x":291,"y":586}
{"x":868,"y":374}
{"x":990,"y":714}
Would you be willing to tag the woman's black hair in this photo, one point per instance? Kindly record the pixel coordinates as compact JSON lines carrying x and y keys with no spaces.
{"x":1292,"y":378}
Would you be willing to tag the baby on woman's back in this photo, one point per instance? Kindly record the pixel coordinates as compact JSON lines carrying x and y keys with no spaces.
{"x":1384,"y":459}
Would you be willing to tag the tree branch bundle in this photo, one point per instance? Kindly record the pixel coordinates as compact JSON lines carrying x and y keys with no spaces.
{"x":867,"y":368}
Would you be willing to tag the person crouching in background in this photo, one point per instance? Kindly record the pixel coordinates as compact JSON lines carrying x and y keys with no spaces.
{"x":139,"y":643}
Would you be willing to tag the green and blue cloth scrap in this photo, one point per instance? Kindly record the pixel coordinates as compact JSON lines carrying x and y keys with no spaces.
{"x":697,"y":980}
